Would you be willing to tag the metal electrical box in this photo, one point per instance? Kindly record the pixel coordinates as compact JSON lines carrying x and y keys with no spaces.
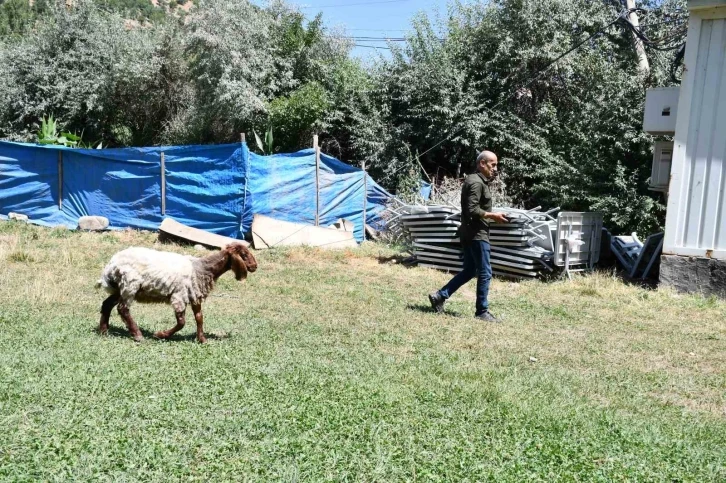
{"x":660,"y":175}
{"x":661,"y":110}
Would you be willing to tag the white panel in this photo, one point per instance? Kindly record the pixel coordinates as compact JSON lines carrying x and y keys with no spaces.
{"x":712,"y":211}
{"x":661,"y":169}
{"x":661,"y":110}
{"x":699,"y":135}
{"x":696,"y":205}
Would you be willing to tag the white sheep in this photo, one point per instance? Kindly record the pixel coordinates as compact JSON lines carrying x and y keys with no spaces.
{"x":146,"y":276}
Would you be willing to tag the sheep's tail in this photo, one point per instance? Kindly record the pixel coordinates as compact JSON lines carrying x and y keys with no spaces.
{"x":107,"y":283}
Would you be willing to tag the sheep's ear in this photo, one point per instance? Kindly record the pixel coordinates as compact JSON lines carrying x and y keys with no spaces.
{"x":239,"y":267}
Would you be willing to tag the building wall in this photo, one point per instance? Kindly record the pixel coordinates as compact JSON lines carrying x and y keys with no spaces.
{"x":696,"y":217}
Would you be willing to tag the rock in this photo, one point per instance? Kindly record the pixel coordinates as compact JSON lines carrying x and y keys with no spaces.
{"x":706,"y":276}
{"x":532,"y":359}
{"x":200,"y":248}
{"x":17,"y":216}
{"x":93,"y":223}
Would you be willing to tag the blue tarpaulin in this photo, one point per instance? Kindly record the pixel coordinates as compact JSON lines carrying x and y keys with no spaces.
{"x":217,"y":188}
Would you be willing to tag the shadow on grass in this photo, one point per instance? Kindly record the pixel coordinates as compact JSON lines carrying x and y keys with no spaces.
{"x":122,"y":332}
{"x":427,"y":309}
{"x":403,"y":260}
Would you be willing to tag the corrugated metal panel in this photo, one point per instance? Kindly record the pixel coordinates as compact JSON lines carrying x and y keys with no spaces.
{"x":695,"y":224}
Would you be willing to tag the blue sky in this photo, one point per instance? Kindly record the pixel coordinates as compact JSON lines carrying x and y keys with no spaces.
{"x":370,"y":18}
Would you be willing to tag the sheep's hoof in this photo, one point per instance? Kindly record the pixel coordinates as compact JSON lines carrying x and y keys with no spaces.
{"x":201,"y":339}
{"x":161,"y":335}
{"x":139,"y":338}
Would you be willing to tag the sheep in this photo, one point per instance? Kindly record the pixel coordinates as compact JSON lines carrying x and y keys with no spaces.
{"x":145,"y":275}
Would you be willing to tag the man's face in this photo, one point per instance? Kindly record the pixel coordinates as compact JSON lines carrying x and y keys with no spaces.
{"x":488,"y":166}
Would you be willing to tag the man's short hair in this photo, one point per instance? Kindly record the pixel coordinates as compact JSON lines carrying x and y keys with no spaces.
{"x":483,"y":154}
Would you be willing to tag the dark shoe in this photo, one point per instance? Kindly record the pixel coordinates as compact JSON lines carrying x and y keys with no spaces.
{"x":437,"y":302}
{"x":488,"y":317}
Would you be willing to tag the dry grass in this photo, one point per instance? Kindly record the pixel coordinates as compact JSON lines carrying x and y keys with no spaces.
{"x":628,"y":383}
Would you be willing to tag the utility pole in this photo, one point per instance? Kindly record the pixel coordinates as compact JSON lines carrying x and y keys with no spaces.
{"x":643,"y":64}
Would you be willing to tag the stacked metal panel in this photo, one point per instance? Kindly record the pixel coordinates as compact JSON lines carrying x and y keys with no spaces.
{"x":521,"y":248}
{"x":433,"y":232}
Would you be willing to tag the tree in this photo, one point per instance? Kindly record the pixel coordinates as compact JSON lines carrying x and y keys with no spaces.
{"x":568,"y":136}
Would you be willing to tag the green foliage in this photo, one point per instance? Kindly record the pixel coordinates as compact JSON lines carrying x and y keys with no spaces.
{"x":49,"y":134}
{"x":139,"y":10}
{"x":572,"y":137}
{"x":298,"y":114}
{"x":84,"y":66}
{"x":266,"y":147}
{"x":18,"y":16}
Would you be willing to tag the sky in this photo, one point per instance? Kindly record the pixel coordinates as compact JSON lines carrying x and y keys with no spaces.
{"x":370,"y":18}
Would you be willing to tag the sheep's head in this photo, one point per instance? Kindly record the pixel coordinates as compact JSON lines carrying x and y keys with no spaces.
{"x":241,"y":260}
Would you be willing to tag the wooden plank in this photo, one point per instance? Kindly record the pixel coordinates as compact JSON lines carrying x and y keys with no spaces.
{"x":178,"y":230}
{"x":269,"y":233}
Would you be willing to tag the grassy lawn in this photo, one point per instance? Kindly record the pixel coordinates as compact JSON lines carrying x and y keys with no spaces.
{"x":329,"y":366}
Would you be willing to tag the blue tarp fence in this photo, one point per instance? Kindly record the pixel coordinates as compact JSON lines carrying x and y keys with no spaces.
{"x":217,"y":188}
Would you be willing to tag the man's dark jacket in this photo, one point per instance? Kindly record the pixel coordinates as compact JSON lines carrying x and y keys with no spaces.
{"x":476,"y":200}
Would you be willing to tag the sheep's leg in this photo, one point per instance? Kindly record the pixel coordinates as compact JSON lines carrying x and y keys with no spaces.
{"x":123,"y":311}
{"x":200,"y":323}
{"x":106,"y":309}
{"x":180,"y":321}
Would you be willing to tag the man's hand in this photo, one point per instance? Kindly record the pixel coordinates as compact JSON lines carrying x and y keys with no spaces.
{"x":497,"y":217}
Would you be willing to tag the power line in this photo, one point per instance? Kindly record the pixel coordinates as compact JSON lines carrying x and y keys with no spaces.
{"x":379,"y":30}
{"x":355,"y":4}
{"x":371,"y":46}
{"x":371,"y":39}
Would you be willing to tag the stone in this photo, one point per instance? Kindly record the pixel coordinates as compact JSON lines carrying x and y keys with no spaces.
{"x":705,"y":276}
{"x":17,"y":216}
{"x":200,"y":248}
{"x":93,"y":223}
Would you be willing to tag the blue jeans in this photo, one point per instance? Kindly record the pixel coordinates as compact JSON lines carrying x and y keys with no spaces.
{"x":477,"y":263}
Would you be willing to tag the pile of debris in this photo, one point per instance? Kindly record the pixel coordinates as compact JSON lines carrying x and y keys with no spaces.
{"x":637,"y":258}
{"x":531,"y":245}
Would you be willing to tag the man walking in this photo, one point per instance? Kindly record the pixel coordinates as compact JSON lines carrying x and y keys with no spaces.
{"x":476,"y":205}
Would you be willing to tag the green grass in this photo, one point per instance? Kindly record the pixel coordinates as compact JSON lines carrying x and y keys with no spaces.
{"x":328,"y":366}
